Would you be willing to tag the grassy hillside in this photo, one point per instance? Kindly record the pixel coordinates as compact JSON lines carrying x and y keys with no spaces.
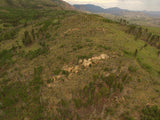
{"x":57,"y":64}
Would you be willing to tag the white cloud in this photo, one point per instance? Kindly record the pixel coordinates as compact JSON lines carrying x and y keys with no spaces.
{"x":153,"y":5}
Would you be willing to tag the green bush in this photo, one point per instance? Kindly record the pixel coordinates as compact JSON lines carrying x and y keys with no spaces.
{"x":151,"y":113}
{"x":57,"y":71}
{"x":33,"y":54}
{"x":132,"y":69}
{"x":27,"y":38}
{"x":6,"y":57}
{"x":50,"y":81}
{"x":8,"y":35}
{"x":78,"y":103}
{"x":126,"y":116}
{"x":108,"y":21}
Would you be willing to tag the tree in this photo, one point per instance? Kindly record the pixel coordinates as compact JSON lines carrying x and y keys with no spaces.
{"x":136,"y":52}
{"x":27,"y":39}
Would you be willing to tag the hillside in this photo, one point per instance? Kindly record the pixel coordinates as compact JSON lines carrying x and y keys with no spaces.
{"x":35,"y":4}
{"x":58,"y":64}
{"x":145,"y":18}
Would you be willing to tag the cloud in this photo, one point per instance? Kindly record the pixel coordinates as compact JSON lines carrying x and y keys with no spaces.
{"x":153,"y":5}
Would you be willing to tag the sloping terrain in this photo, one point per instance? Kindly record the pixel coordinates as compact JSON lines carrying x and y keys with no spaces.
{"x":145,"y":18}
{"x":58,"y":64}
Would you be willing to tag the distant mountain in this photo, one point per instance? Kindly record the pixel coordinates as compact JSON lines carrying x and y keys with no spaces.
{"x":153,"y":13}
{"x":97,"y":9}
{"x":90,"y":8}
{"x":114,"y":11}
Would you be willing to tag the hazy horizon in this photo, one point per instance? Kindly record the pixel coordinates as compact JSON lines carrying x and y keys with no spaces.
{"x":136,"y":5}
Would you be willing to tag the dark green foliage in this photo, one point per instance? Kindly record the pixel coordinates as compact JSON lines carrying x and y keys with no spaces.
{"x":123,"y":22}
{"x":126,"y":116}
{"x":78,"y":103}
{"x":99,"y":89}
{"x":77,"y":47}
{"x":7,"y":35}
{"x":63,"y":111}
{"x":83,"y":56}
{"x":108,"y":21}
{"x":136,"y":52}
{"x":57,"y":71}
{"x":33,"y":34}
{"x":151,"y":113}
{"x":41,"y":51}
{"x":106,"y":69}
{"x":89,"y":40}
{"x":27,"y":38}
{"x":104,"y":47}
{"x":141,"y":33}
{"x":48,"y":35}
{"x":65,"y":72}
{"x":132,"y":68}
{"x":22,"y":98}
{"x":47,"y":23}
{"x":109,"y":111}
{"x":158,"y":53}
{"x":5,"y":57}
{"x":50,"y":80}
{"x":127,"y":53}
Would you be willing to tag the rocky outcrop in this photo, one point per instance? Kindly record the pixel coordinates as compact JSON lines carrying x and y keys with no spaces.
{"x":94,"y":60}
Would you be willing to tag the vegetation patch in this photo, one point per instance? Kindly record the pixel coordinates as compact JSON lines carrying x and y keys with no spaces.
{"x":151,"y":113}
{"x":6,"y":57}
{"x":21,"y":100}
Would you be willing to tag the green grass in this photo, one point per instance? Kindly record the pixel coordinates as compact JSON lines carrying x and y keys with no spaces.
{"x":150,"y":113}
{"x":22,"y":99}
{"x":6,"y":57}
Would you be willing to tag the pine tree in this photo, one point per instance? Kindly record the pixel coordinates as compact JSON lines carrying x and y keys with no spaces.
{"x":27,"y":39}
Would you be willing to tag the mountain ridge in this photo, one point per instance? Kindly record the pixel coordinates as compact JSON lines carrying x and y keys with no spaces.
{"x":112,"y":10}
{"x":36,"y":4}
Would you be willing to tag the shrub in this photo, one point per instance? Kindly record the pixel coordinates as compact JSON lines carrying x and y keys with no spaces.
{"x":88,"y":40}
{"x":33,"y":54}
{"x":27,"y":39}
{"x":127,"y":53}
{"x":104,"y":47}
{"x":132,"y":68}
{"x":150,"y":113}
{"x":77,"y":103}
{"x":108,"y":20}
{"x":57,"y":71}
{"x":136,"y":52}
{"x":5,"y":57}
{"x":106,"y":69}
{"x":8,"y":35}
{"x":126,"y":116}
{"x":50,"y":80}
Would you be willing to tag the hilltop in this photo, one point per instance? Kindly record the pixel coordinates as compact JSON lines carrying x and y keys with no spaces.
{"x":35,"y":4}
{"x":60,"y":64}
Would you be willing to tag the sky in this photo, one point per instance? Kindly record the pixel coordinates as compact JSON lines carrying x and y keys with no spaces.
{"x":150,"y":5}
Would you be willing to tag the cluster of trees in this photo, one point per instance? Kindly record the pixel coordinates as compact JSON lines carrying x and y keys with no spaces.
{"x":8,"y":35}
{"x":123,"y":22}
{"x":141,"y":33}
